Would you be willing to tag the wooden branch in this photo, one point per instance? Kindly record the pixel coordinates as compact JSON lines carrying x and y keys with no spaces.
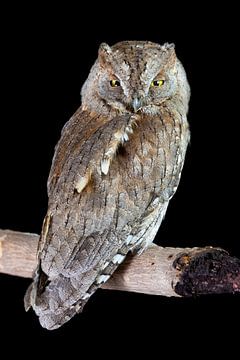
{"x":18,"y":253}
{"x":159,"y":271}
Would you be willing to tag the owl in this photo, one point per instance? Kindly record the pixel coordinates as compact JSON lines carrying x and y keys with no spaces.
{"x":115,"y":168}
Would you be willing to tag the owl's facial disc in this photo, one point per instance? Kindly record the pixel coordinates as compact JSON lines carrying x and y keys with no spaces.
{"x":136,"y":78}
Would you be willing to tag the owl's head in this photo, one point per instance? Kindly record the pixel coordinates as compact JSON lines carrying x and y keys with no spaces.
{"x":132,"y":76}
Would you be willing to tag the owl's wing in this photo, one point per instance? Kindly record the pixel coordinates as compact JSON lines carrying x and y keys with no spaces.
{"x":86,"y":233}
{"x":82,"y":195}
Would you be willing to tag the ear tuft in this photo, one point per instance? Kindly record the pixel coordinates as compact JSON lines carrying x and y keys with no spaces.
{"x":168,"y":46}
{"x":170,"y":55}
{"x":104,"y":54}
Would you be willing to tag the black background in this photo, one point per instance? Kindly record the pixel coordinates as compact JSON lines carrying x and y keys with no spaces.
{"x":46,"y":55}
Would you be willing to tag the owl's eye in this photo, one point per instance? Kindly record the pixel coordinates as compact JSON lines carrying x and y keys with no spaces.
{"x":158,"y":83}
{"x":114,"y":83}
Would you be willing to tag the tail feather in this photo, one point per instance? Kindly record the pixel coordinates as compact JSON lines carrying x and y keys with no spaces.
{"x":57,"y":300}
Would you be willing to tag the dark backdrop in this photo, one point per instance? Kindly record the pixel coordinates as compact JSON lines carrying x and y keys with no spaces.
{"x":46,"y":56}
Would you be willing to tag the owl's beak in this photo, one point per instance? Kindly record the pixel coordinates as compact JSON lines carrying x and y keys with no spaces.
{"x":137,"y":104}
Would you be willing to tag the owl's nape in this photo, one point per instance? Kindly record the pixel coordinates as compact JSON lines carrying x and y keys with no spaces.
{"x":115,"y":168}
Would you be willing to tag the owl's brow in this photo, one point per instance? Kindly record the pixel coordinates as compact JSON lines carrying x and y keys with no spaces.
{"x":123,"y":72}
{"x":151,"y":69}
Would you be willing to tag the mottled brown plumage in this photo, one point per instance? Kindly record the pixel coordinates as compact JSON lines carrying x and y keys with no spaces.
{"x":115,"y":168}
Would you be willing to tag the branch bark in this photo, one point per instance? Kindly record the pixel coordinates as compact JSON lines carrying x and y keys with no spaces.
{"x":159,"y":271}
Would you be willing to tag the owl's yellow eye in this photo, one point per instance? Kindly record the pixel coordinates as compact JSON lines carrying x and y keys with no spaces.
{"x":158,"y":83}
{"x":114,"y":83}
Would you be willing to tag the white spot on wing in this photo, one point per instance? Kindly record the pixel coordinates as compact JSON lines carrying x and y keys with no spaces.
{"x":78,"y":307}
{"x":130,"y":240}
{"x":105,"y":265}
{"x":102,"y":279}
{"x":82,"y":183}
{"x":105,"y":164}
{"x":118,"y":259}
{"x":155,"y":201}
{"x":86,"y":296}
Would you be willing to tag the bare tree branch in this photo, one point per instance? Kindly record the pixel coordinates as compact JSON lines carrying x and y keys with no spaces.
{"x":159,"y":271}
{"x":18,"y":253}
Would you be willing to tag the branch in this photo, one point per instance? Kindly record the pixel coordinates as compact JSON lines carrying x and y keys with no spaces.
{"x":159,"y":271}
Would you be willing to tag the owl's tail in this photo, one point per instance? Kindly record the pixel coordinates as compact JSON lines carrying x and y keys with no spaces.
{"x":56,"y":301}
{"x":49,"y":317}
